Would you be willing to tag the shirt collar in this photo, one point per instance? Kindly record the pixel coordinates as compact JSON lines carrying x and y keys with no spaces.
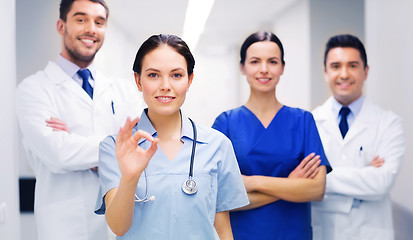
{"x":71,"y":69}
{"x":146,"y":125}
{"x":355,"y":106}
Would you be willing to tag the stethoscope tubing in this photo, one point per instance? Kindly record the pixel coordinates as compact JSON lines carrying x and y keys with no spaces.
{"x":189,"y":186}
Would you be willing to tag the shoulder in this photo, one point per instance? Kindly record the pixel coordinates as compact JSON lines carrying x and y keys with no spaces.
{"x":210,"y":135}
{"x":35,"y":85}
{"x":297,"y":113}
{"x":374,"y":112}
{"x":233,"y":113}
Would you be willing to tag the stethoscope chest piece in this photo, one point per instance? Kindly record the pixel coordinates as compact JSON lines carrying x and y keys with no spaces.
{"x":189,"y":186}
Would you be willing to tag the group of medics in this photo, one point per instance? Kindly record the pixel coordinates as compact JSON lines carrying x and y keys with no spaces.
{"x":274,"y":172}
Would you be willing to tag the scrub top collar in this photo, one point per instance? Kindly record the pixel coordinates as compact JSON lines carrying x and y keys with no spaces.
{"x":186,"y":132}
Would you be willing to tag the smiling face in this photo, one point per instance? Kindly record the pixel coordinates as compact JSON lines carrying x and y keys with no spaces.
{"x":263,"y":66}
{"x":83,"y":32}
{"x":345,"y":74}
{"x":164,"y":81}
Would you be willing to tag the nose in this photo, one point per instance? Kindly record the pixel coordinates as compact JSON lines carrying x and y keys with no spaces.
{"x":344,"y":73}
{"x":264,"y":68}
{"x":90,"y":27}
{"x":165,"y":84}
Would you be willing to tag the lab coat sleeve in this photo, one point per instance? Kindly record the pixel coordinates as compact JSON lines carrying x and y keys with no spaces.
{"x":60,"y":151}
{"x":371,"y":183}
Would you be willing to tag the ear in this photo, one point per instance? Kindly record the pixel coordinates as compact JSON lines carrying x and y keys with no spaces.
{"x":138,"y":81}
{"x":366,"y":72}
{"x":282,"y":71}
{"x":191,"y":77}
{"x":242,"y":68}
{"x":60,"y":26}
{"x":325,"y":75}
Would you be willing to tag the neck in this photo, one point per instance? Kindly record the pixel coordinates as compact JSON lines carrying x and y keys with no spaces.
{"x":263,"y":102}
{"x":167,"y":126}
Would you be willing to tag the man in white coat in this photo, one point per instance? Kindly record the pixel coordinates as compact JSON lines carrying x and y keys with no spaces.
{"x":64,"y":111}
{"x":365,"y":146}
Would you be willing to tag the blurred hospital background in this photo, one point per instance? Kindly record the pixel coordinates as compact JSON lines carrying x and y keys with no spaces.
{"x":29,"y":40}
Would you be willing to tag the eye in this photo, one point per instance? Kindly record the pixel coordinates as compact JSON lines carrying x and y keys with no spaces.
{"x":353,"y":65}
{"x":335,"y":66}
{"x":274,"y":62}
{"x":177,"y":75}
{"x":152,"y":75}
{"x":254,"y":62}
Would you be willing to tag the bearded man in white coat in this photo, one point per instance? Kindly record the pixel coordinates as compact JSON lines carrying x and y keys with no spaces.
{"x":365,"y":146}
{"x":64,"y":111}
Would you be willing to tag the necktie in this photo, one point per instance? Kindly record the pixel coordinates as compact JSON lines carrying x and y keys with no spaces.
{"x":85,"y":74}
{"x":343,"y":125}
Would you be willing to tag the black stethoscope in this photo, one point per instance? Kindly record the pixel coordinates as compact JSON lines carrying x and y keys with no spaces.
{"x":189,"y":186}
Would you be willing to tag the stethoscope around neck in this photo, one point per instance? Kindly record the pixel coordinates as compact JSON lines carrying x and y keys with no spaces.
{"x":189,"y":186}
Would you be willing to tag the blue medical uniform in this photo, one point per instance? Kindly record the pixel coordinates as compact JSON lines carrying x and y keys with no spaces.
{"x":174,"y":214}
{"x":273,"y":151}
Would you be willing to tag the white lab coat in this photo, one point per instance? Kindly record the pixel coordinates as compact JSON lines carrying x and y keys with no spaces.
{"x":341,"y":216}
{"x":66,"y":188}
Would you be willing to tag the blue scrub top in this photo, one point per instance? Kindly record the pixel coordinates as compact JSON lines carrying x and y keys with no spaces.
{"x":174,"y":214}
{"x":273,"y":151}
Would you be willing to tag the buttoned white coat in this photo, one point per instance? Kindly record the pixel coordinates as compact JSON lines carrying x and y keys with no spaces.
{"x":66,"y":187}
{"x":341,"y":216}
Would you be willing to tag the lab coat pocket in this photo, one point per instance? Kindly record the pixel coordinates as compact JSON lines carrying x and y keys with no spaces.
{"x":65,"y":220}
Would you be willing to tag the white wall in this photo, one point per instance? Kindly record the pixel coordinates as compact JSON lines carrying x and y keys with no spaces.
{"x":389,"y":42}
{"x":293,"y":29}
{"x":9,"y":201}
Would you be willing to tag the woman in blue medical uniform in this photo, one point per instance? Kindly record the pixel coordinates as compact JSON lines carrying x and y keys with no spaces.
{"x":278,"y":149}
{"x":147,"y":190}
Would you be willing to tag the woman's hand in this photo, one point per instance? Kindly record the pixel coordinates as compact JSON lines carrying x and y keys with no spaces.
{"x":308,"y":168}
{"x":131,"y":158}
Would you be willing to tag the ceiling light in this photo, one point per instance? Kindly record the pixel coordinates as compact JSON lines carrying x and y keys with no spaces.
{"x":196,"y":16}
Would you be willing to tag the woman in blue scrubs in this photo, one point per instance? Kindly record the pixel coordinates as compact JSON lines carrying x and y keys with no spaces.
{"x":153,"y":205}
{"x":278,"y":149}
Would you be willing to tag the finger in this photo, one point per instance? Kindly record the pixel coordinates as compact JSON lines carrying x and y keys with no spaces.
{"x":151,"y":151}
{"x":311,"y":163}
{"x":314,"y":173}
{"x":313,"y":168}
{"x":126,"y":131}
{"x":142,"y":134}
{"x":306,"y":159}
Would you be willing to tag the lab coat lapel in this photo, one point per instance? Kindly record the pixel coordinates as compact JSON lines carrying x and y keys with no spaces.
{"x":102,"y":83}
{"x":361,"y":122}
{"x":60,"y":78}
{"x":327,"y":120}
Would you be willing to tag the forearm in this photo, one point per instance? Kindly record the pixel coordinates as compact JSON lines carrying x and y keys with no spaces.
{"x":368,"y":183}
{"x":223,"y":226}
{"x":292,"y":189}
{"x":120,"y":203}
{"x":257,"y":199}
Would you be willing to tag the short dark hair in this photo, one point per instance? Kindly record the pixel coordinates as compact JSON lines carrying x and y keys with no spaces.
{"x":260,"y":37}
{"x":346,"y":40}
{"x":66,"y":5}
{"x":172,"y":41}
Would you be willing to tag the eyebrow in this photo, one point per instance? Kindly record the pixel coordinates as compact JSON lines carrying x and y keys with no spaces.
{"x":351,"y":62}
{"x":156,"y":70}
{"x":84,"y":14}
{"x":276,"y":58}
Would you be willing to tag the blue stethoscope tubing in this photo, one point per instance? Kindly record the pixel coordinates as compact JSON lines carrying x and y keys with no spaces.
{"x":189,"y":186}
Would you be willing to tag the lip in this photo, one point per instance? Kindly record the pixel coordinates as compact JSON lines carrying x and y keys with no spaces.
{"x":164,"y":99}
{"x":88,"y":41}
{"x":263,"y":80}
{"x":344,"y":85}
